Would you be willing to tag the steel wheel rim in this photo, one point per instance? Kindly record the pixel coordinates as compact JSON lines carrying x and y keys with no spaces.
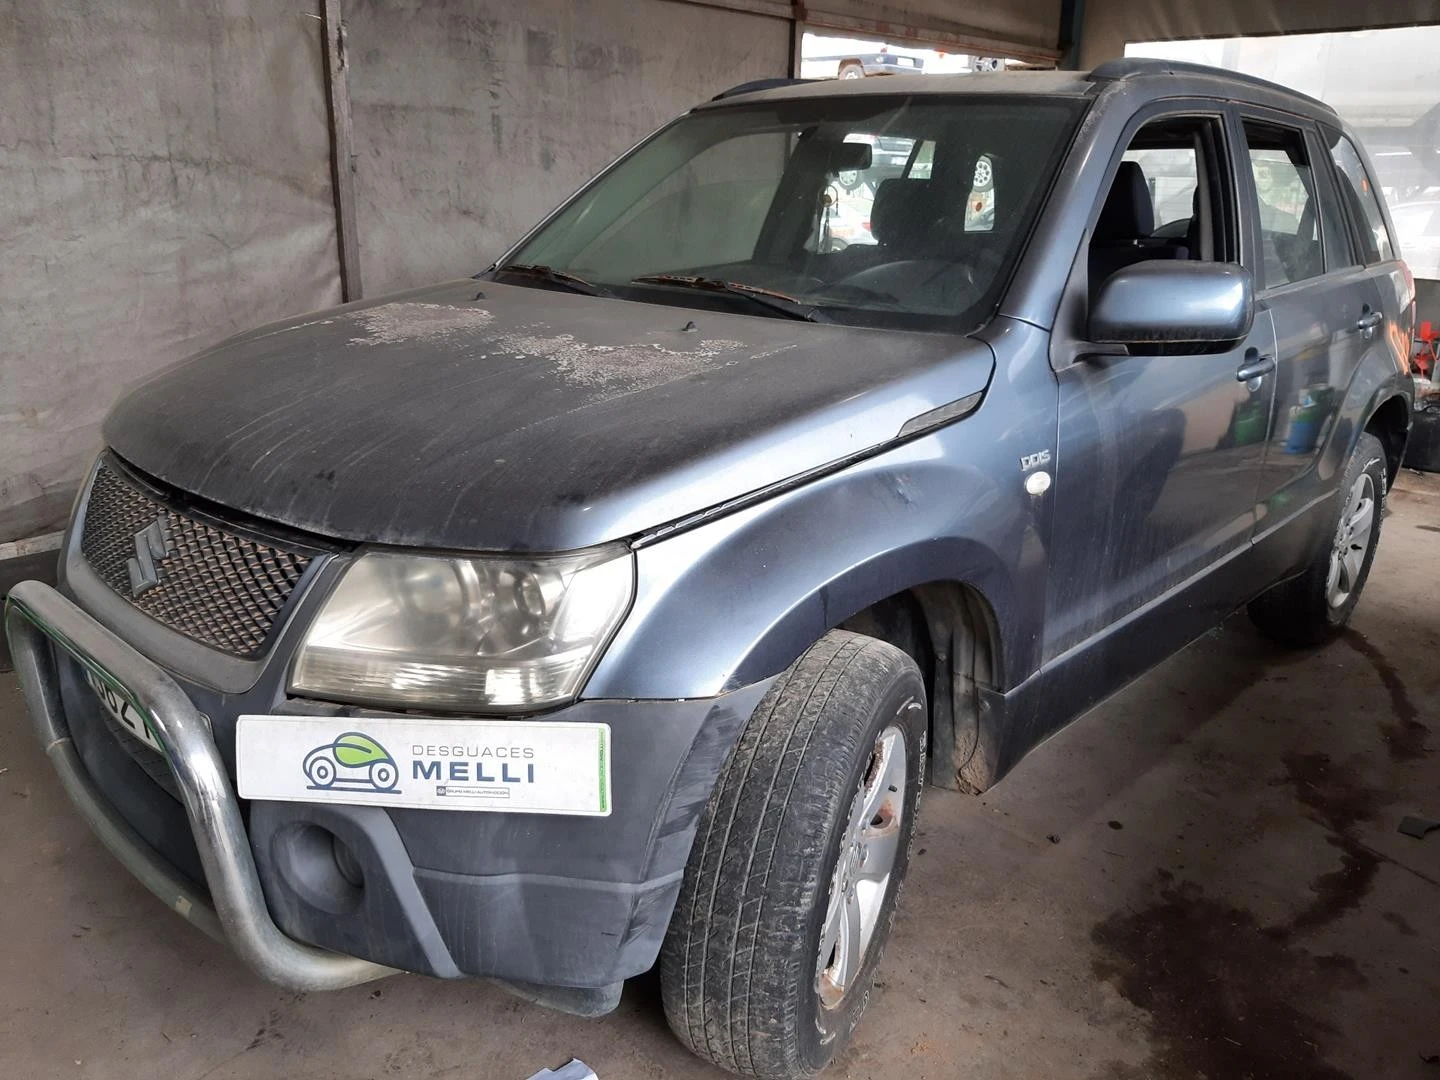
{"x":1352,"y":541}
{"x":868,"y":851}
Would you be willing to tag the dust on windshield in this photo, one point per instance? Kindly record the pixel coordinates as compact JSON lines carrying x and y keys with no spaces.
{"x":887,"y":209}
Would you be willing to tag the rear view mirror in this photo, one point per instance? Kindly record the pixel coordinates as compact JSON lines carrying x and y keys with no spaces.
{"x":1149,"y":305}
{"x":850,"y":157}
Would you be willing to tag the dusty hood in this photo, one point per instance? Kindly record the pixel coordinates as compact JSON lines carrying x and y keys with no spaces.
{"x":527,"y":419}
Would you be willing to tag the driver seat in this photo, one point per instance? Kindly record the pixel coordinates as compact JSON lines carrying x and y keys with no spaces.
{"x":1124,"y":231}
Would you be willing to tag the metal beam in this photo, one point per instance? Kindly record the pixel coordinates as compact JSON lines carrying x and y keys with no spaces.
{"x":773,"y":9}
{"x":1072,"y":30}
{"x":952,"y":36}
{"x":342,"y":156}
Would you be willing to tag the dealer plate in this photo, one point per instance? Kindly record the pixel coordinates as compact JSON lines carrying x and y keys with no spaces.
{"x":122,"y":711}
{"x":531,"y":767}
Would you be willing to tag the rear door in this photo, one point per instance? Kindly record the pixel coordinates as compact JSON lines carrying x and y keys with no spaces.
{"x":1326,"y":310}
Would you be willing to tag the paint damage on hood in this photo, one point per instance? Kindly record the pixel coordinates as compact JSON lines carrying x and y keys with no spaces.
{"x":518,"y":419}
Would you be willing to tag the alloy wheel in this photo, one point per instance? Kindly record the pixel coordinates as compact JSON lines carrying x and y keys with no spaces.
{"x":1352,"y":541}
{"x":868,"y":852}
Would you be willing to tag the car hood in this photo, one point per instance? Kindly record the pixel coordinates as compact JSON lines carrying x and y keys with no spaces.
{"x":479,"y":416}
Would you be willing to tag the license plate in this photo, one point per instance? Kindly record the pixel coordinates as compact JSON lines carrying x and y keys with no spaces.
{"x":531,"y":767}
{"x":122,"y":712}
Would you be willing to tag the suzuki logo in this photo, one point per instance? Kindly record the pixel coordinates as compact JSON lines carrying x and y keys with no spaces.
{"x":152,"y":544}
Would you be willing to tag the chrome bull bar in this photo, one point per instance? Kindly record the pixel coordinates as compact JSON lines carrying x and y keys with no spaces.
{"x":235,"y":912}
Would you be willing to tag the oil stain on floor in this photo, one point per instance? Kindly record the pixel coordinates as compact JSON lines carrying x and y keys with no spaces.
{"x":1405,"y":738}
{"x":1228,"y":997}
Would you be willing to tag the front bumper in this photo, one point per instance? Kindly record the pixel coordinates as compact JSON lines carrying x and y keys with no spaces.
{"x":35,"y":616}
{"x":526,"y":898}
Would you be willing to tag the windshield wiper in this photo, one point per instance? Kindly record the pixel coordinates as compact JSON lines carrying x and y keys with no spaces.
{"x":775,"y":301}
{"x":563,"y":278}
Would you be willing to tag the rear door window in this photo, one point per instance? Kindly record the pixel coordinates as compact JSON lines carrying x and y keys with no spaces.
{"x":1285,"y":205}
{"x":848,"y":205}
{"x":980,"y":210}
{"x":851,"y":197}
{"x":1359,"y":192}
{"x":1339,"y":241}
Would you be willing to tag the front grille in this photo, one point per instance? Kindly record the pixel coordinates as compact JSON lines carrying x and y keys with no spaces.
{"x":147,"y":757}
{"x":216,"y":586}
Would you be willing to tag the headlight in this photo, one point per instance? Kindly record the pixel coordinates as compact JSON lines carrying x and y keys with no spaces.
{"x":423,"y":631}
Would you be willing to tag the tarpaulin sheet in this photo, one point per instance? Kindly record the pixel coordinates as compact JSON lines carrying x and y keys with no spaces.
{"x":164,"y":182}
{"x":473,"y":119}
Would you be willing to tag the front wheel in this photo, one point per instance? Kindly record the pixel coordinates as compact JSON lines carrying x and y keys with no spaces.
{"x":790,"y":890}
{"x":383,"y":776}
{"x":1314,"y":607}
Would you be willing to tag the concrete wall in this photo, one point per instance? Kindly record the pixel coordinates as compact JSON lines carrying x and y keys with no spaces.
{"x":164,"y":182}
{"x":1110,"y":24}
{"x":473,"y":118}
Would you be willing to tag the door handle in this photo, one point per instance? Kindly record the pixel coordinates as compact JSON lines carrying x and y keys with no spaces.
{"x":1369,"y":322}
{"x":1255,"y":367}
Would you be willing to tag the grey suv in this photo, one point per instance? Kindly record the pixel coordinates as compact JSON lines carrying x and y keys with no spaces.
{"x":613,"y":608}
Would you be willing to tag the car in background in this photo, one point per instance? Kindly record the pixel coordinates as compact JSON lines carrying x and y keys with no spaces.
{"x":861,"y":65}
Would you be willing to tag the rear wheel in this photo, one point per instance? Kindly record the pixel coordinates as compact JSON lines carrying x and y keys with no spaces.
{"x":851,"y":70}
{"x":321,"y":771}
{"x":791,"y":886}
{"x":1314,"y":607}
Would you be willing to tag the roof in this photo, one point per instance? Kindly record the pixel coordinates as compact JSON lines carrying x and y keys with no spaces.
{"x":1174,"y":75}
{"x":1144,"y":68}
{"x":1069,"y":83}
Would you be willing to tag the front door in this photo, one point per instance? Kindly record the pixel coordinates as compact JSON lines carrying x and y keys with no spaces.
{"x":1159,"y":456}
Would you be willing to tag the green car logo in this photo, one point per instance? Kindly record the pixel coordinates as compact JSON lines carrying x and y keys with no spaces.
{"x":353,"y":761}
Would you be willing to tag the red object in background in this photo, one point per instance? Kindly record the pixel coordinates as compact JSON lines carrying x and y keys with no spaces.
{"x":1427,"y":349}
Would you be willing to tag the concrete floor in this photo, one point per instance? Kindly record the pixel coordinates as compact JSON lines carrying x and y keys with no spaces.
{"x":1201,"y":878}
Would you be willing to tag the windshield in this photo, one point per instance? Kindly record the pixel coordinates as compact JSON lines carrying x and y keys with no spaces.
{"x":878,"y":210}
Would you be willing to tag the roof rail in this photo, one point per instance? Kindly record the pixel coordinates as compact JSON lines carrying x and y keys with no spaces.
{"x":755,"y":85}
{"x":1131,"y":66}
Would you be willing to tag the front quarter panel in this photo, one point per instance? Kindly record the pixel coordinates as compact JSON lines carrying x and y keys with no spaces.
{"x":741,"y":597}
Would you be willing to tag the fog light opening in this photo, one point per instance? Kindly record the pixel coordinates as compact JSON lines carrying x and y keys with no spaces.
{"x":346,"y":862}
{"x":319,"y":867}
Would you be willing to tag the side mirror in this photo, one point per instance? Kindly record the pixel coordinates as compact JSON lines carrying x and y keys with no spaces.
{"x":1148,"y":305}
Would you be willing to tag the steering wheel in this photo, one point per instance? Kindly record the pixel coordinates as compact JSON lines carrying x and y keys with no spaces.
{"x":939,"y":284}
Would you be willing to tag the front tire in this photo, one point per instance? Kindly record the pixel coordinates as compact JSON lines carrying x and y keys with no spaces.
{"x":1313,"y":608}
{"x":384,"y":776}
{"x":790,"y":891}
